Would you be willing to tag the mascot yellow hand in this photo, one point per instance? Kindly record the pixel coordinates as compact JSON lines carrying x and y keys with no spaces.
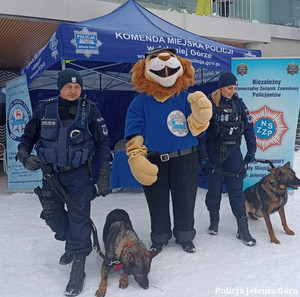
{"x":201,"y":112}
{"x":142,"y":169}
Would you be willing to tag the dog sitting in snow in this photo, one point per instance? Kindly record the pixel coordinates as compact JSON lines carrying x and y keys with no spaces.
{"x":123,"y":245}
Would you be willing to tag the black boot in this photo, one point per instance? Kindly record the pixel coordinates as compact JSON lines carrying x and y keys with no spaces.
{"x":214,"y":222}
{"x":243,"y":231}
{"x":158,"y":246}
{"x":65,"y":259}
{"x":187,"y":246}
{"x":77,"y":276}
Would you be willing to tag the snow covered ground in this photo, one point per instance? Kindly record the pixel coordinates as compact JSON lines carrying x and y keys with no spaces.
{"x":221,"y":266}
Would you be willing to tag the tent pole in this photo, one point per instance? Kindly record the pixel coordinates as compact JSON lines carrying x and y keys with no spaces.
{"x":63,"y":64}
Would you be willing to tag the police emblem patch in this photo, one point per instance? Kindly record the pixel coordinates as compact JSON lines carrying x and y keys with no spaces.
{"x":104,"y":130}
{"x":177,"y":124}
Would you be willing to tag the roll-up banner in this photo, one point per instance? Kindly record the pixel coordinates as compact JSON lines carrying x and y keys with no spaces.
{"x":18,"y":113}
{"x":270,"y":89}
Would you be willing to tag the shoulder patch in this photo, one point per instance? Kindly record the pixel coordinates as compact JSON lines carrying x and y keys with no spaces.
{"x":104,"y":130}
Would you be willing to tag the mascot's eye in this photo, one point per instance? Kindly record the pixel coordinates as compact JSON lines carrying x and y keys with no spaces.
{"x":152,"y":57}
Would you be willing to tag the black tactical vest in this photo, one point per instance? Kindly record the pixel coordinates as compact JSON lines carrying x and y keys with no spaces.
{"x":65,"y":146}
{"x":228,"y":125}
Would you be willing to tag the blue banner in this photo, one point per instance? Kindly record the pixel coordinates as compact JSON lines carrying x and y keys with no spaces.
{"x":270,"y":87}
{"x":18,"y":111}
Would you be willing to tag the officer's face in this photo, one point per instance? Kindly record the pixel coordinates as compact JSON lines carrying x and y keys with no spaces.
{"x":228,"y":91}
{"x":70,"y":91}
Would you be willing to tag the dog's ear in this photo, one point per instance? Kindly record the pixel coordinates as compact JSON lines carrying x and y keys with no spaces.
{"x":151,"y":254}
{"x":275,"y":171}
{"x":288,"y":164}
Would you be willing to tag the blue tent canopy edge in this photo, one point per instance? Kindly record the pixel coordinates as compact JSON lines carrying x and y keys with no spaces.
{"x":125,"y":35}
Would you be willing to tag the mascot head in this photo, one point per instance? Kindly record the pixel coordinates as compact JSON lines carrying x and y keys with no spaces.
{"x":162,"y":74}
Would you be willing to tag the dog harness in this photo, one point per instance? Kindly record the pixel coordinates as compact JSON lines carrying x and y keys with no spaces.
{"x":117,"y":263}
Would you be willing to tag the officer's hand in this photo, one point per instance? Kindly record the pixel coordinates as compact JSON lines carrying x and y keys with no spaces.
{"x":103,"y":183}
{"x":203,"y":161}
{"x":249,"y":158}
{"x":30,"y":162}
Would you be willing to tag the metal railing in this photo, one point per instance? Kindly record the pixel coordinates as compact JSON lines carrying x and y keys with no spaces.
{"x":238,"y":9}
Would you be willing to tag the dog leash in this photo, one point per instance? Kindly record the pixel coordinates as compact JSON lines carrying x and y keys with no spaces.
{"x":61,"y":193}
{"x":269,"y":162}
{"x":243,"y":168}
{"x":216,"y":169}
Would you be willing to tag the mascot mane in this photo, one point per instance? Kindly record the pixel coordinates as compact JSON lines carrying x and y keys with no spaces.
{"x":151,"y":88}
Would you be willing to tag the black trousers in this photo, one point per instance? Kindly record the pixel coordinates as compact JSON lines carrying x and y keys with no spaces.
{"x":67,"y":224}
{"x":216,"y":180}
{"x":178,"y":177}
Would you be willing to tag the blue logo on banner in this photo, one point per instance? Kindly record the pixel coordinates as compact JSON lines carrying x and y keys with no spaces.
{"x":53,"y":46}
{"x":86,"y":42}
{"x":265,"y":128}
{"x":18,"y":116}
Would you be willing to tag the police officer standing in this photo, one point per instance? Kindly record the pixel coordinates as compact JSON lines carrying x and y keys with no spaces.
{"x":65,"y":132}
{"x":220,"y":155}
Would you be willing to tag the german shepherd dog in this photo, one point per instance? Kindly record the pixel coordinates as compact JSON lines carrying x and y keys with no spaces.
{"x":122,"y":244}
{"x":270,"y":195}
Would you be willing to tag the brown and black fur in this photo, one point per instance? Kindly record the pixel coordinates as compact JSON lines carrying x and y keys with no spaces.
{"x":122,"y":244}
{"x":270,"y":195}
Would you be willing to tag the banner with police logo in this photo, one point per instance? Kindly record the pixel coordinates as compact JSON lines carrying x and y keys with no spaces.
{"x":270,"y":87}
{"x":18,"y":111}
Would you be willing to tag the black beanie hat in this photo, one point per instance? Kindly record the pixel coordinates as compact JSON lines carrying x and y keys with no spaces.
{"x":227,"y":79}
{"x":68,"y":76}
{"x":160,"y":49}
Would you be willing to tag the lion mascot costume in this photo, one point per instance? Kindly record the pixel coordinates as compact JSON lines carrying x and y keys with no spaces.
{"x":162,"y":125}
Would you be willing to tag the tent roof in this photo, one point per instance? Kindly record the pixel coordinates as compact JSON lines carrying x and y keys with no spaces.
{"x":125,"y":35}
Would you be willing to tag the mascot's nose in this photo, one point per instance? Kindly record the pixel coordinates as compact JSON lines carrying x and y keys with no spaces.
{"x":164,"y":56}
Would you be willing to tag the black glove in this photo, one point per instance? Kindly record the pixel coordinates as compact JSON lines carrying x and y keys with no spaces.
{"x":103,"y":183}
{"x":30,"y":162}
{"x":249,"y":158}
{"x":203,"y":161}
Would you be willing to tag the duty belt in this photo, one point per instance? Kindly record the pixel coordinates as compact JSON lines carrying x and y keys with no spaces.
{"x":167,"y":156}
{"x":67,"y":168}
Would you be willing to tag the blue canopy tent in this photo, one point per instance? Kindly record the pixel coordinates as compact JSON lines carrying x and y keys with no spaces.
{"x":124,"y":35}
{"x":110,"y":44}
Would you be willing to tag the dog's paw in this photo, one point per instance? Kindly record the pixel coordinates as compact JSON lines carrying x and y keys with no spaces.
{"x":123,"y":281}
{"x":289,"y":232}
{"x":252,"y":216}
{"x":275,"y":240}
{"x":100,"y":293}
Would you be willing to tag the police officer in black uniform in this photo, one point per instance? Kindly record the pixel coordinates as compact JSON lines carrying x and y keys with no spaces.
{"x":66,"y":131}
{"x":220,"y":155}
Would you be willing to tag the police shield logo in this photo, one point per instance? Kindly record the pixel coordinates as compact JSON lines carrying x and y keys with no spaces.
{"x":18,"y":117}
{"x":177,"y":124}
